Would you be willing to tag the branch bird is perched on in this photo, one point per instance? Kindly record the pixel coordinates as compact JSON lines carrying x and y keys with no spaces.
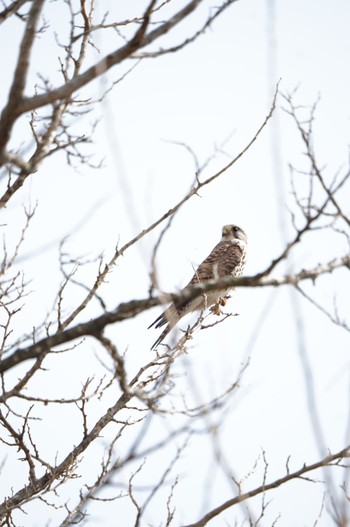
{"x":226,"y":259}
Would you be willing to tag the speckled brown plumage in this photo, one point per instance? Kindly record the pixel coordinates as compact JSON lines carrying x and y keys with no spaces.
{"x":226,"y":259}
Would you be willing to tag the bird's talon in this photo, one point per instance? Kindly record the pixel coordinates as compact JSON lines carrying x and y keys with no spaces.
{"x":215,"y":309}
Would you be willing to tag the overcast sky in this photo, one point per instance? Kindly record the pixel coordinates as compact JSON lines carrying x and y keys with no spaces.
{"x":215,"y":92}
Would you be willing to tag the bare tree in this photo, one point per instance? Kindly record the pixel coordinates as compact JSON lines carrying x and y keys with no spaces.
{"x":123,"y":431}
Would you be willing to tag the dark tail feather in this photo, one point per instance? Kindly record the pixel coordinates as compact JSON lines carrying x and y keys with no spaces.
{"x":159,"y":321}
{"x":162,"y":336}
{"x":170,"y":317}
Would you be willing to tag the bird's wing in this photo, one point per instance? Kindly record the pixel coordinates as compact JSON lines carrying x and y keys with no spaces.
{"x":225,"y":259}
{"x":205,"y":272}
{"x":222,"y":261}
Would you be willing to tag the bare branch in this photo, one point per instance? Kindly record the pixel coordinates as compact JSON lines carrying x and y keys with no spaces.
{"x":13,"y":8}
{"x":10,"y":112}
{"x":152,"y":54}
{"x":135,"y":307}
{"x":139,"y":41}
{"x":328,"y":461}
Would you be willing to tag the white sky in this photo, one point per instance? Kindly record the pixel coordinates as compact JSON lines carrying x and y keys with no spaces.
{"x":218,"y":86}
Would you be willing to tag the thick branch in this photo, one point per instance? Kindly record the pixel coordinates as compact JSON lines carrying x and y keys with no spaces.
{"x":188,"y":40}
{"x":10,"y":112}
{"x":139,"y":41}
{"x":11,"y":9}
{"x":134,"y":307}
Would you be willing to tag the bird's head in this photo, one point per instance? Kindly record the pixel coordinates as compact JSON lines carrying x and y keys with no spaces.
{"x":233,"y":232}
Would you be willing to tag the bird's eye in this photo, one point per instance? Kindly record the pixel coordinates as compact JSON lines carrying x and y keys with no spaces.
{"x":235,"y":229}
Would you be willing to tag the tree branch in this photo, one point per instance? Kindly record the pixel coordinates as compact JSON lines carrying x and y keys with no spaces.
{"x":131,"y":309}
{"x":10,"y":111}
{"x":112,"y":59}
{"x":55,"y":473}
{"x":193,"y":192}
{"x":330,"y":460}
{"x":11,"y":9}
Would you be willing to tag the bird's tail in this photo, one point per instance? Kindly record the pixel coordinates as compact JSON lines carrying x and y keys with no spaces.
{"x":159,"y":321}
{"x":161,"y":336}
{"x":170,"y":317}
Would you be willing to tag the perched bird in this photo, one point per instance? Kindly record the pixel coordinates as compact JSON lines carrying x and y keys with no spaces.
{"x":226,"y":259}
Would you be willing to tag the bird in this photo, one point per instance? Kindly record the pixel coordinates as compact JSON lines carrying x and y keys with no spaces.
{"x":226,"y":259}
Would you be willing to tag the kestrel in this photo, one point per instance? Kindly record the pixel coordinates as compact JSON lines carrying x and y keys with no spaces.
{"x":226,"y":259}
